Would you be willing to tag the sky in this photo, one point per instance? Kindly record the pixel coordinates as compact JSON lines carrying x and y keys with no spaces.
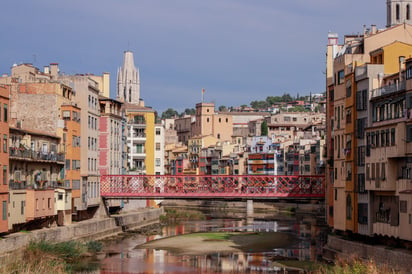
{"x":237,"y":50}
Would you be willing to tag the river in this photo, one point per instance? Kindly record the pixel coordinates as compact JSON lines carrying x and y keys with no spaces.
{"x":121,"y":255}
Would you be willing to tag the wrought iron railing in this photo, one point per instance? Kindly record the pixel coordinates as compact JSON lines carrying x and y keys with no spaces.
{"x":36,"y":155}
{"x":196,"y":186}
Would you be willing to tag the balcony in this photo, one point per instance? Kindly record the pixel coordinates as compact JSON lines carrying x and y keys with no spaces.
{"x":28,"y":154}
{"x":16,"y":185}
{"x":388,"y":89}
{"x":403,"y":184}
{"x":139,"y":138}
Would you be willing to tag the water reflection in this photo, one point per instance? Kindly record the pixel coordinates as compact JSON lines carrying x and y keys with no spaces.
{"x":122,"y":256}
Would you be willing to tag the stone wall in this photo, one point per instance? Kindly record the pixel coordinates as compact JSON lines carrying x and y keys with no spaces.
{"x":86,"y":230}
{"x":397,"y":258}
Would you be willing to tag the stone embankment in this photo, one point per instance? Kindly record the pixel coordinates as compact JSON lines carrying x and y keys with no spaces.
{"x":93,"y":229}
{"x":398,"y":258}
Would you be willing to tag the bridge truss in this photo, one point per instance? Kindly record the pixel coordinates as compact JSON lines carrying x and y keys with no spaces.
{"x":209,"y":187}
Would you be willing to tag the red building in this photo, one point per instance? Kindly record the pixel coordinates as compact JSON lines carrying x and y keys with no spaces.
{"x":4,"y":156}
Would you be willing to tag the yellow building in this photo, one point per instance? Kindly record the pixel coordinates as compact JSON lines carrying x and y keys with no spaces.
{"x":140,"y":139}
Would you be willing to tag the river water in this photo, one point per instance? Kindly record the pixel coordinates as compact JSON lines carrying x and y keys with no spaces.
{"x":122,"y":256}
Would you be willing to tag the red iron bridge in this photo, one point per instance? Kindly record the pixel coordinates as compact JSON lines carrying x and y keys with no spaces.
{"x":212,"y":187}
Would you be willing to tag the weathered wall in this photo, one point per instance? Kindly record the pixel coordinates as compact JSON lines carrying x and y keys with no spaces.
{"x":86,"y":230}
{"x":380,"y":254}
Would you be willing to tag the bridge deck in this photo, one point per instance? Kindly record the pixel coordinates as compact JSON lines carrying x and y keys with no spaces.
{"x":212,"y":187}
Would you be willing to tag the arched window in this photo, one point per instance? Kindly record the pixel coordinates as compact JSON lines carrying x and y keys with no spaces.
{"x":130,"y":94}
{"x":408,"y":13}
{"x":348,"y":207}
{"x":397,"y":12}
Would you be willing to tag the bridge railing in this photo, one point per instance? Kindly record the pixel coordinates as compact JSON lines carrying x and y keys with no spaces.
{"x":195,"y":186}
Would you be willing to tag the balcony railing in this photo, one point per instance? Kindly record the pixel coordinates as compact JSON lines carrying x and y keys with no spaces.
{"x":16,"y":185}
{"x":36,"y":155}
{"x":388,"y":89}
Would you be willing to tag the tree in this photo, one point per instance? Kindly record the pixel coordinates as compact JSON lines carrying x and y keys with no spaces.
{"x":222,"y":109}
{"x":190,"y":111}
{"x":259,"y":104}
{"x":169,"y":113}
{"x":264,"y":128}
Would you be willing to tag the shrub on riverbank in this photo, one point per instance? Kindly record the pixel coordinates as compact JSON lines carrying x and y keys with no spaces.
{"x":356,"y":266}
{"x":46,"y":257}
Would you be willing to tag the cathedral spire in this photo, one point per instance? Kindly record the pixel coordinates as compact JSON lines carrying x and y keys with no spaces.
{"x":128,"y":80}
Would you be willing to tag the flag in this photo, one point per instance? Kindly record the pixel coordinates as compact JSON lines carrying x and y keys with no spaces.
{"x":203,"y":90}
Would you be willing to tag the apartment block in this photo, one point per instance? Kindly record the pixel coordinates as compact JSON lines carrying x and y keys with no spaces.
{"x":36,"y":166}
{"x":4,"y":156}
{"x":87,"y":99}
{"x":140,"y":139}
{"x":367,"y":117}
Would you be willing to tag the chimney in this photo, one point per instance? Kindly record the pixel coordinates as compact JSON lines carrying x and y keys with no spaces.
{"x":54,"y":69}
{"x":46,"y":69}
{"x":373,"y":29}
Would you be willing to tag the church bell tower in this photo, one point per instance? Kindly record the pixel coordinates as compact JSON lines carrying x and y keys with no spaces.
{"x":398,"y":12}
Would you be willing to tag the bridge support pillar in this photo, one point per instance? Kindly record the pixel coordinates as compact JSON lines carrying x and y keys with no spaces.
{"x":249,"y":208}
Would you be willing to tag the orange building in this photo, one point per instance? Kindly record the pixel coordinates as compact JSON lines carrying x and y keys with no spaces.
{"x":4,"y":157}
{"x":71,"y":117}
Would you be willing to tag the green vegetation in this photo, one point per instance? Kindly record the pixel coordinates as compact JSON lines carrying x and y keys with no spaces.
{"x":46,"y":257}
{"x":264,"y":128}
{"x":217,"y":236}
{"x":355,"y":266}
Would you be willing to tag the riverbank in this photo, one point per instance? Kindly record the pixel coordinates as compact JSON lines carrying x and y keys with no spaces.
{"x":93,"y":229}
{"x":223,"y":242}
{"x":337,"y":247}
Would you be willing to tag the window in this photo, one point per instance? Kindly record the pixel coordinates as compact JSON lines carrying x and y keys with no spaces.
{"x":341,"y":76}
{"x":348,"y":207}
{"x":361,"y":156}
{"x":22,"y":204}
{"x":403,"y":206}
{"x":363,"y":214}
{"x":4,"y":143}
{"x":157,"y":131}
{"x":67,"y":164}
{"x":392,"y":136}
{"x":336,"y":194}
{"x":361,"y":183}
{"x":409,"y":133}
{"x":66,"y":115}
{"x":157,"y":161}
{"x":157,"y":146}
{"x":4,"y":175}
{"x":408,"y":15}
{"x":5,"y":112}
{"x":360,"y":128}
{"x":361,"y":100}
{"x":348,"y":89}
{"x":397,"y":12}
{"x":4,"y":210}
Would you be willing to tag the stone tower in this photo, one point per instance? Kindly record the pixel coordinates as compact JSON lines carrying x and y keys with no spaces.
{"x":128,"y":80}
{"x":398,"y":12}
